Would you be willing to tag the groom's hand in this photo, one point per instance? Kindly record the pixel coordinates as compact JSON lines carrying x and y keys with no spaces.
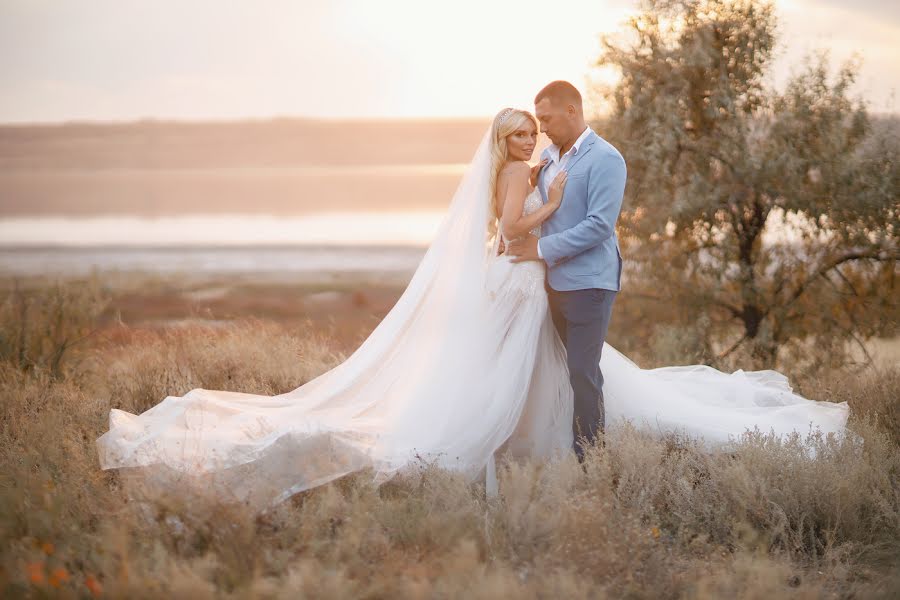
{"x":523,"y":249}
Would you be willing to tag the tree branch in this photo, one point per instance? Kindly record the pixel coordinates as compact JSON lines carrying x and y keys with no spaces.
{"x":732,"y":348}
{"x":735,"y":311}
{"x":877,"y":255}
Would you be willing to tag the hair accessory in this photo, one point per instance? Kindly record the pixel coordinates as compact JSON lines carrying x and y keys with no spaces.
{"x":505,"y":114}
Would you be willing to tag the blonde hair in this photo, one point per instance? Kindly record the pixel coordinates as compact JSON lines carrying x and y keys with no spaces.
{"x":506,"y":122}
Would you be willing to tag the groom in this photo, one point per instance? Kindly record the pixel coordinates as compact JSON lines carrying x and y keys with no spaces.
{"x":578,"y":243}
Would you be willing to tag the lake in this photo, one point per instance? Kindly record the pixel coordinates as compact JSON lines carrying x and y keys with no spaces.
{"x":330,"y":242}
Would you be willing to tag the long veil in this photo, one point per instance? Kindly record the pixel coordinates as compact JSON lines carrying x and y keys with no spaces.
{"x":371,"y":410}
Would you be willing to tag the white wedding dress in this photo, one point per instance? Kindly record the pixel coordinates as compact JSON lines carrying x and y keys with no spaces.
{"x":466,"y":367}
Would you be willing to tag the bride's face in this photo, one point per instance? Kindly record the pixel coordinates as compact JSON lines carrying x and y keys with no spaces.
{"x":521,"y":142}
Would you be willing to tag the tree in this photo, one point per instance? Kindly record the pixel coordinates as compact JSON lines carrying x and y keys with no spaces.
{"x":773,"y":213}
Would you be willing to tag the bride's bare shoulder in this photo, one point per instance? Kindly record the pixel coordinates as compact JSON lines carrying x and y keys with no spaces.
{"x":515,"y":169}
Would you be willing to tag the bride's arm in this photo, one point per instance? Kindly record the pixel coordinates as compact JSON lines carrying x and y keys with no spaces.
{"x":513,"y":223}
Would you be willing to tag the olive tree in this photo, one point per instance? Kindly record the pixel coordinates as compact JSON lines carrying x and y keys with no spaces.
{"x":769,"y":215}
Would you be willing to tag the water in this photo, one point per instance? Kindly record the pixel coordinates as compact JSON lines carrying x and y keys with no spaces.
{"x":286,"y":260}
{"x":337,"y":229}
{"x":206,"y":244}
{"x":230,"y":243}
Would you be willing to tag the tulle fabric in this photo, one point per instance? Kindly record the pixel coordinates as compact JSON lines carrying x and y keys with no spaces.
{"x":708,"y":405}
{"x":466,"y":366}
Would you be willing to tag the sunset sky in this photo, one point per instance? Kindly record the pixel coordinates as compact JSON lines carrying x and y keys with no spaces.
{"x":223,"y":59}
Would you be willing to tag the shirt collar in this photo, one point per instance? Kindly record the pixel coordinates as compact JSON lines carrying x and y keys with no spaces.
{"x":554,"y":149}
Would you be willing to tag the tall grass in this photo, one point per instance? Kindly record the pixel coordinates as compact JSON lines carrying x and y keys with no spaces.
{"x":646,"y":517}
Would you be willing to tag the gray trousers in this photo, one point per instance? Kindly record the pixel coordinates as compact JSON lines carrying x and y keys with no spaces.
{"x":582,"y":318}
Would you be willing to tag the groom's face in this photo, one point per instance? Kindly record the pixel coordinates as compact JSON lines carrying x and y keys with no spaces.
{"x":555,"y":120}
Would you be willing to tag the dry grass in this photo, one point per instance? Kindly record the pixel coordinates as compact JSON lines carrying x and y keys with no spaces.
{"x":647,"y":518}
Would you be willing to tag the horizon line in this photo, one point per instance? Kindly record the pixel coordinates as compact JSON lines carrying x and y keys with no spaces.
{"x":295,"y":118}
{"x":249,"y":119}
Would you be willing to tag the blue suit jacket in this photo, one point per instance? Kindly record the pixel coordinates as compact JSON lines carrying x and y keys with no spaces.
{"x":578,"y":242}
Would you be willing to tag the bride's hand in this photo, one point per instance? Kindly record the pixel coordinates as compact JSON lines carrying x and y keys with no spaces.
{"x":555,"y":191}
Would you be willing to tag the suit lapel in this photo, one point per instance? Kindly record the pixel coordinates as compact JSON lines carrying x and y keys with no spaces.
{"x":585,"y":147}
{"x":540,"y":179}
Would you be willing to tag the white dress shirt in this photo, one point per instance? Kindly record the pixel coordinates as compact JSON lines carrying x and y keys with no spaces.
{"x":556,"y":164}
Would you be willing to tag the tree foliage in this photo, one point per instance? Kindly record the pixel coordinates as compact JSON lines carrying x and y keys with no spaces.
{"x":770,"y":213}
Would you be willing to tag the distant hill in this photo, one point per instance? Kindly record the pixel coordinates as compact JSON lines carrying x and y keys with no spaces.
{"x":278,"y":166}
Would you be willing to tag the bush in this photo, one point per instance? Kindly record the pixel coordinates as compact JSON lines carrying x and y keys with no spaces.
{"x":647,"y":517}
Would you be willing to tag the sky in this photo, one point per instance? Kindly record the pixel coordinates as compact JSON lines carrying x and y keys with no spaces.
{"x":225,"y":59}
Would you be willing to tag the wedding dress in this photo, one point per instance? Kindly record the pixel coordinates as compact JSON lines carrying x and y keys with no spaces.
{"x":466,"y":367}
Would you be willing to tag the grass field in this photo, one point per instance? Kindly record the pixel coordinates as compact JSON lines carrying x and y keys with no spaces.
{"x":648,"y":518}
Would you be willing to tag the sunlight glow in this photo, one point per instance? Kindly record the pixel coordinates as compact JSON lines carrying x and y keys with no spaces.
{"x":204,"y":59}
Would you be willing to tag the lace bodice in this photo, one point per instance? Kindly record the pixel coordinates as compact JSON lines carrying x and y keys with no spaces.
{"x":532,"y":203}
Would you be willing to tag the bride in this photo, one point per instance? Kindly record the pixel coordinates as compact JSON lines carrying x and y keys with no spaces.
{"x":466,"y":367}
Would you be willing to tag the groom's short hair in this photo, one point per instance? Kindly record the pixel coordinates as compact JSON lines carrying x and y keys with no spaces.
{"x":560,"y":91}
